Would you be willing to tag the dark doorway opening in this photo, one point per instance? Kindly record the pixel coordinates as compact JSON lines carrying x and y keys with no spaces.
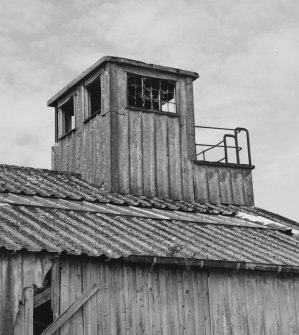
{"x":42,"y":317}
{"x":42,"y":313}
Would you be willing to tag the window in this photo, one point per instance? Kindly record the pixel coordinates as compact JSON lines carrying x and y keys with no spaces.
{"x":151,"y":93}
{"x":93,"y":97}
{"x":66,"y":117}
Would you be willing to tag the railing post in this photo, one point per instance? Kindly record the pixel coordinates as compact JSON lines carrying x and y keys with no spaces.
{"x":237,"y":146}
{"x":225,"y":147}
{"x":238,"y":130}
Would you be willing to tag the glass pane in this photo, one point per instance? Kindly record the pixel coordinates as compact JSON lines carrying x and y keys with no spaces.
{"x":147,"y":104}
{"x":156,"y":105}
{"x":131,"y":90}
{"x":164,"y":107}
{"x":164,"y":86}
{"x":138,"y":81}
{"x":147,"y":83}
{"x":131,"y":101}
{"x":171,"y":108}
{"x":171,"y":87}
{"x":155,"y":94}
{"x":155,"y":84}
{"x":139,"y":102}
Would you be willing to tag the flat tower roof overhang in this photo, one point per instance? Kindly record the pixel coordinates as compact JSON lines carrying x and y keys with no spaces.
{"x":106,"y":59}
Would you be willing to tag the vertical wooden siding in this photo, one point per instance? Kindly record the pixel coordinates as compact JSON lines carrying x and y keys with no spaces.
{"x":145,"y":153}
{"x":18,"y":273}
{"x":167,"y":300}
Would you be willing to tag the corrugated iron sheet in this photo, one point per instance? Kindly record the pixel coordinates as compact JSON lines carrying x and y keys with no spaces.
{"x":95,"y":234}
{"x":64,"y":185}
{"x":124,"y":225}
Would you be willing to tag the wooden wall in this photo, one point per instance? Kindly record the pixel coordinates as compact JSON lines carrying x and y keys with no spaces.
{"x":18,"y":273}
{"x":164,"y":300}
{"x":138,"y":299}
{"x":145,"y":153}
{"x":216,"y":184}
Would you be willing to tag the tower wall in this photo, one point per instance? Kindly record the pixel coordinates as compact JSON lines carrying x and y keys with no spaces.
{"x":135,"y":151}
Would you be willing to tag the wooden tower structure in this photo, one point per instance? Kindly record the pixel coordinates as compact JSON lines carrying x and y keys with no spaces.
{"x":129,"y":127}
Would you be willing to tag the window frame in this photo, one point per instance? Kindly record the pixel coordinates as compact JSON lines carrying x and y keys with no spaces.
{"x":152,"y":110}
{"x":97,"y":78}
{"x":61,"y":128}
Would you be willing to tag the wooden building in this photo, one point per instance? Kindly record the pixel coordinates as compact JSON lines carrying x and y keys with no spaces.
{"x":134,"y":231}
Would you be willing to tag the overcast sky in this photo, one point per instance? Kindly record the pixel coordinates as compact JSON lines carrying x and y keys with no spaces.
{"x":246,"y":53}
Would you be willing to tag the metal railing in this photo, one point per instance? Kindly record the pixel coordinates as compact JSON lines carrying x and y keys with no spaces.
{"x":235,"y":136}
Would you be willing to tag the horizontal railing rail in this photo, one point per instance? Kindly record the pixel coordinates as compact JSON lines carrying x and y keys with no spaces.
{"x":234,"y":135}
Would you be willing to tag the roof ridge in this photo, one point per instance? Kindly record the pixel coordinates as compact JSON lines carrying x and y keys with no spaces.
{"x":40,"y":169}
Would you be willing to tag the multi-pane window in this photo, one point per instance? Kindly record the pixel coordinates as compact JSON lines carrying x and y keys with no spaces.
{"x":151,"y":93}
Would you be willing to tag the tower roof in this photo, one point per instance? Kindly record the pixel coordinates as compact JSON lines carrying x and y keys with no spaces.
{"x":101,"y":62}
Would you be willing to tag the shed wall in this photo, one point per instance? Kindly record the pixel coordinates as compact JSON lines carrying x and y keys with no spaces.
{"x":137,"y":300}
{"x":18,"y":273}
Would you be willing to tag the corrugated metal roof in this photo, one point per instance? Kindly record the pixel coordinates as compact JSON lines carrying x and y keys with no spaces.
{"x":153,"y":213}
{"x":64,"y":185}
{"x":59,"y":212}
{"x":95,"y":234}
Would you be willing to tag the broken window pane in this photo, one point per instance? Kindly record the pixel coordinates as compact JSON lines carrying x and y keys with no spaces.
{"x":66,"y":117}
{"x":151,"y":94}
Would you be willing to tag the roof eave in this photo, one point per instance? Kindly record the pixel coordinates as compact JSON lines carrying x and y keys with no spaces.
{"x":212,"y":264}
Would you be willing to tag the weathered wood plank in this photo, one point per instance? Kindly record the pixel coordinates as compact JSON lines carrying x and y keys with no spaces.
{"x":214,"y":185}
{"x":225,"y":185}
{"x":140,"y":310}
{"x":248,"y":185}
{"x":73,"y":308}
{"x":270,"y":304}
{"x":106,"y":300}
{"x":158,"y":301}
{"x":28,"y":310}
{"x":204,"y":288}
{"x":199,"y":318}
{"x":119,"y":289}
{"x":64,"y":293}
{"x":42,"y":297}
{"x":287,"y":304}
{"x":174,"y":301}
{"x":55,"y":290}
{"x":254,"y":304}
{"x":149,"y":154}
{"x":186,"y":150}
{"x":237,"y":305}
{"x":162,"y":159}
{"x":114,"y":139}
{"x":94,"y":299}
{"x":200,"y":184}
{"x":136,"y":169}
{"x":124,"y":152}
{"x":238,"y":187}
{"x":190,"y":122}
{"x":87,"y":307}
{"x":296,"y":297}
{"x":188,"y":303}
{"x":175,"y":164}
{"x":181,"y":304}
{"x":219,"y":305}
{"x":151,"y":300}
{"x":100,"y":296}
{"x":120,"y":100}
